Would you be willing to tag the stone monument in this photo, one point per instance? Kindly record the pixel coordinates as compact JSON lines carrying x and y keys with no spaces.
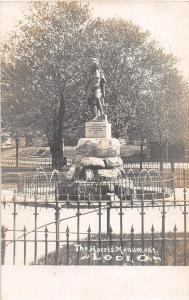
{"x":97,"y":154}
{"x":97,"y":171}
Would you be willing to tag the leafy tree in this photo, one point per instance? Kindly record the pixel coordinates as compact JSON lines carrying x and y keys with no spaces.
{"x":41,"y":74}
{"x":143,"y":81}
{"x":45,"y":68}
{"x":161,"y":114}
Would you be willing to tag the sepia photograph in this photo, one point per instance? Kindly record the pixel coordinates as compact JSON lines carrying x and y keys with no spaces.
{"x":94,"y":145}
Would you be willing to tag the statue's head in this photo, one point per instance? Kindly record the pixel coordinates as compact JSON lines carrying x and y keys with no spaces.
{"x":95,"y":63}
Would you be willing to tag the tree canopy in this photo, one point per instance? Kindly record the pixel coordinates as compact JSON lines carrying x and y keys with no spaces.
{"x":45,"y":68}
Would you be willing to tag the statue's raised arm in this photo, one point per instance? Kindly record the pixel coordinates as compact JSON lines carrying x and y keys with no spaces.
{"x":96,"y":89}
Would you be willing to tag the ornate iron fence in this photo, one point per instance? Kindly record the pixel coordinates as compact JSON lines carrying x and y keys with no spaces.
{"x":104,"y":240}
{"x":45,"y":184}
{"x":28,"y":167}
{"x":56,"y":242}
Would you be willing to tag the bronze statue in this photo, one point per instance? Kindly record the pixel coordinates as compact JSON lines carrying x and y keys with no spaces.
{"x":96,"y":89}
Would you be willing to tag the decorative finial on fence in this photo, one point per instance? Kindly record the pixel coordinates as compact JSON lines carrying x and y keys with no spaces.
{"x":110,"y":230}
{"x":4,"y":202}
{"x":14,"y":196}
{"x":89,"y":230}
{"x":132,"y":229}
{"x":67,"y":230}
{"x":152,"y":228}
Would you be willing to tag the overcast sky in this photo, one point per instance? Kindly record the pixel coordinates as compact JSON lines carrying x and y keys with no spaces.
{"x":168,"y":21}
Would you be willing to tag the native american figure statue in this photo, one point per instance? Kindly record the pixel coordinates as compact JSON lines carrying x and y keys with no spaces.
{"x":96,"y":89}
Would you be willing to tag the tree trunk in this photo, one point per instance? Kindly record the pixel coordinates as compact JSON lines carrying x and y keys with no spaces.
{"x":167,"y":150}
{"x":56,"y":146}
{"x":161,"y":156}
{"x":17,"y":147}
{"x":57,"y":154}
{"x":141,"y":153}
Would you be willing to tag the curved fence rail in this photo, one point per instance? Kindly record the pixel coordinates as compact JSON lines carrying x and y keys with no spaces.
{"x":47,"y":184}
{"x":28,"y":166}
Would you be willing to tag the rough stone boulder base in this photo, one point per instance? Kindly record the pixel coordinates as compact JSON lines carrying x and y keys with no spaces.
{"x":74,"y":172}
{"x":78,"y":171}
{"x":77,"y":158}
{"x":102,"y":147}
{"x":71,"y":173}
{"x":113,"y":162}
{"x":92,"y":162}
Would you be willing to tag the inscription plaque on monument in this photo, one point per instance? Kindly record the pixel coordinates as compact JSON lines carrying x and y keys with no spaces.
{"x":98,"y":130}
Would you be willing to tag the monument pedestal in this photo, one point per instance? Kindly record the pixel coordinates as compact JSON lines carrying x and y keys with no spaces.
{"x":98,"y":153}
{"x":95,"y":129}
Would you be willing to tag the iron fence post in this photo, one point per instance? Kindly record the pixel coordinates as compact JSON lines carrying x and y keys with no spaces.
{"x":175,"y":241}
{"x":78,"y":227}
{"x":153,"y":198}
{"x":121,"y":219}
{"x":110,"y":239}
{"x":67,"y":245}
{"x":132,"y":244}
{"x":99,"y":223}
{"x":35,"y":228}
{"x":89,"y":243}
{"x":152,"y":235}
{"x":163,"y":232}
{"x":24,"y":230}
{"x":108,"y":218}
{"x":185,"y":223}
{"x":46,"y":244}
{"x":174,"y":196}
{"x":14,"y":228}
{"x":89,"y":196}
{"x":142,"y":213}
{"x":57,"y":220}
